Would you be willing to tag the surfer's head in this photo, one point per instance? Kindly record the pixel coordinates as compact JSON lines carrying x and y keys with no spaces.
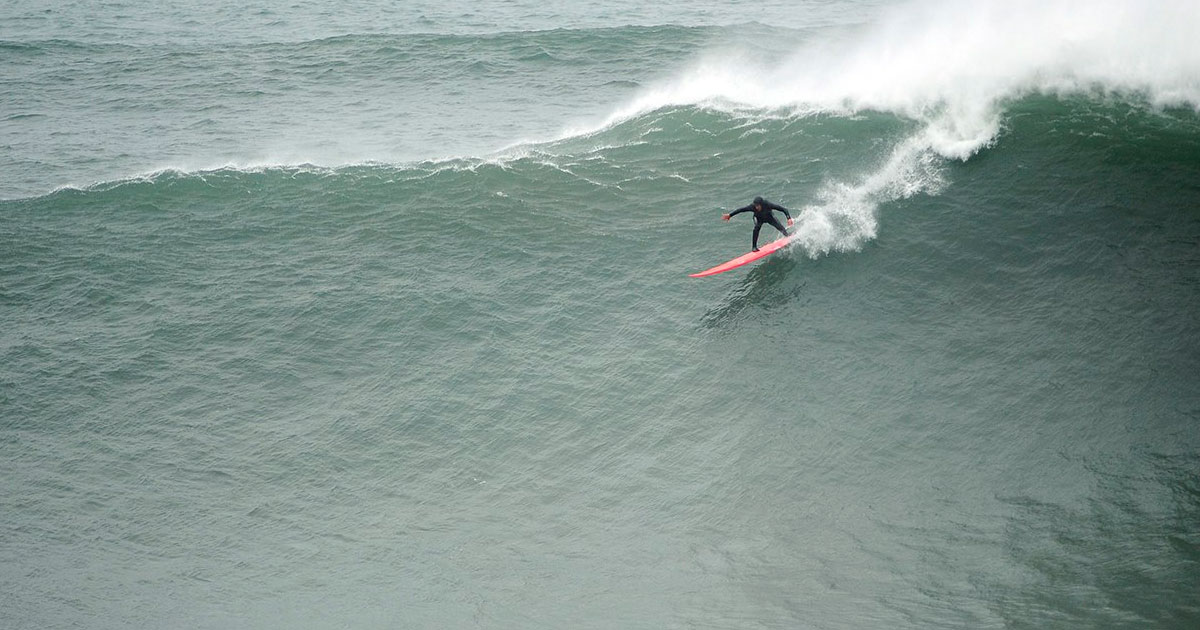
{"x":758,"y":201}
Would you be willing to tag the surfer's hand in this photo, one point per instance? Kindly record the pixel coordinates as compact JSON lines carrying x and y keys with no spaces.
{"x":724,"y":217}
{"x":791,"y":221}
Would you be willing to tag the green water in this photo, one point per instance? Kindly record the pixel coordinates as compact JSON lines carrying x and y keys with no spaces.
{"x":406,"y":338}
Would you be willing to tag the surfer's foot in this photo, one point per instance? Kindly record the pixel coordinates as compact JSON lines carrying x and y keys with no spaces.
{"x":754,"y":250}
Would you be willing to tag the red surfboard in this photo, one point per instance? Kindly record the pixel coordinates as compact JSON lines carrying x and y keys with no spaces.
{"x":765,"y":250}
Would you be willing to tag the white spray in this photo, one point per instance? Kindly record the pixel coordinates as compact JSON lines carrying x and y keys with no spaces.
{"x":951,"y":66}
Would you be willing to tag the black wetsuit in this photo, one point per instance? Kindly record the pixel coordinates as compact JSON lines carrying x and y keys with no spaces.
{"x":764,"y":216}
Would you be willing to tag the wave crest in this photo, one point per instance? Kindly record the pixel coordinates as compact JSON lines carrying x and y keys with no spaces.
{"x":954,"y":65}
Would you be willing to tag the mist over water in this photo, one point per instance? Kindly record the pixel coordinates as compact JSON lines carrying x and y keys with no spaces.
{"x":953,"y":69}
{"x":378,"y":315}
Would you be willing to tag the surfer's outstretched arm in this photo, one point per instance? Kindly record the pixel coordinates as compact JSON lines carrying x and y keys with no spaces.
{"x":749,"y":208}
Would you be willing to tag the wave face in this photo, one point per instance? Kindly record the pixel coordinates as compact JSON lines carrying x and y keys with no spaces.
{"x":382,"y":317}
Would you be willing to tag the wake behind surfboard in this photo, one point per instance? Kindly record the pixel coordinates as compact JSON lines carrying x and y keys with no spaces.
{"x":765,"y":250}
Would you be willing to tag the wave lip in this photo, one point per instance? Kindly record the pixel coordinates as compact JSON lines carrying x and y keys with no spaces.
{"x":954,"y":65}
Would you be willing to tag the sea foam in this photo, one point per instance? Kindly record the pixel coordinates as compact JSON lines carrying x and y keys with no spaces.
{"x":955,"y":64}
{"x":951,"y":67}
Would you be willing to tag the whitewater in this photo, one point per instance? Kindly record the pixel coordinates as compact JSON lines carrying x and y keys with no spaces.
{"x":378,"y":315}
{"x":952,"y":69}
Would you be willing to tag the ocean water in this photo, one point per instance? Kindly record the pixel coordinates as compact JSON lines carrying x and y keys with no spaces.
{"x":376,"y":315}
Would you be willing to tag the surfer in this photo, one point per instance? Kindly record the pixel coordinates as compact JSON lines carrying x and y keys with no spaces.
{"x":762,"y":214}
